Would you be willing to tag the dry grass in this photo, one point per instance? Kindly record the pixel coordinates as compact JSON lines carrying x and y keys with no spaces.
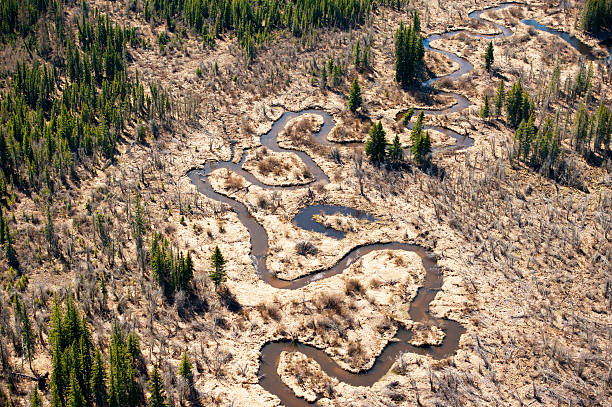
{"x":234,"y":181}
{"x":332,"y":302}
{"x":353,"y":287}
{"x":269,"y":311}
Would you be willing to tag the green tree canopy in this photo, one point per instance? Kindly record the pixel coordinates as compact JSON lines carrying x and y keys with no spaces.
{"x":217,"y":274}
{"x":354,"y":101}
{"x":597,"y":16}
{"x":489,"y":57}
{"x":396,"y":152}
{"x":157,"y":398}
{"x":409,"y":52}
{"x":376,"y":143}
{"x":185,"y":368}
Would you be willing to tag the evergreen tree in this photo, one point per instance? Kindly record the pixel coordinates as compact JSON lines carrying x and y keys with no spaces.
{"x":421,"y":148}
{"x":409,"y":53}
{"x":580,"y":130}
{"x":75,"y":394}
{"x":417,"y":129}
{"x":396,"y":153}
{"x":597,"y":15}
{"x":36,"y":401}
{"x":525,"y":135}
{"x":27,"y":335}
{"x":133,"y":348}
{"x":484,"y":111}
{"x":500,"y":97}
{"x":217,"y":274}
{"x":354,"y":101}
{"x":98,"y":381}
{"x":408,"y":116}
{"x":602,"y":127}
{"x":546,"y":147}
{"x":518,"y":105}
{"x":185,"y":369}
{"x":357,"y":54}
{"x":489,"y":57}
{"x":376,"y":143}
{"x":323,"y":77}
{"x":9,"y":250}
{"x":123,"y":389}
{"x":156,"y":388}
{"x":2,"y":226}
{"x":172,"y":271}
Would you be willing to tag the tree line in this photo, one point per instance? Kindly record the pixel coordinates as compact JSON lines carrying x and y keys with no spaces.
{"x":539,"y":146}
{"x":253,"y":22}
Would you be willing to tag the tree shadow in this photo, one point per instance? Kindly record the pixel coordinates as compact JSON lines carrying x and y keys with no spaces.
{"x":228,"y":299}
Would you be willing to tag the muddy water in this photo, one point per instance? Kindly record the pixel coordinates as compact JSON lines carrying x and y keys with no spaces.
{"x":270,"y":352}
{"x":419,"y":312}
{"x":580,"y":46}
{"x":419,"y":307}
{"x":461,"y":102}
{"x":304,"y":218}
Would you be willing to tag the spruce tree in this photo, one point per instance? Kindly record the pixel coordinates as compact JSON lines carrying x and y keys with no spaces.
{"x":36,"y":401}
{"x":9,"y":250}
{"x":357,"y":54}
{"x":524,"y":136}
{"x":75,"y":394}
{"x":376,"y":143}
{"x":597,"y":15}
{"x":408,"y":116}
{"x":417,"y":129}
{"x":217,"y":274}
{"x":421,"y":148}
{"x":581,"y":136}
{"x":185,"y":369}
{"x":156,"y":388}
{"x":409,"y":52}
{"x":484,"y":112}
{"x":323,"y":77}
{"x":86,"y":352}
{"x":98,"y":381}
{"x":396,"y":153}
{"x":123,"y":389}
{"x":602,"y":127}
{"x":354,"y":101}
{"x":27,"y":335}
{"x":2,"y":223}
{"x":489,"y":57}
{"x":133,"y":348}
{"x":518,"y":105}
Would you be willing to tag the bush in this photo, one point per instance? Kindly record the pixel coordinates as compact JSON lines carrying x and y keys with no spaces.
{"x":306,"y":249}
{"x":353,"y":287}
{"x":234,"y":181}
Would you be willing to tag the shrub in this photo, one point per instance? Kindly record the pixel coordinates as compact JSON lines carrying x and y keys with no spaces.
{"x":353,"y":287}
{"x":306,"y":248}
